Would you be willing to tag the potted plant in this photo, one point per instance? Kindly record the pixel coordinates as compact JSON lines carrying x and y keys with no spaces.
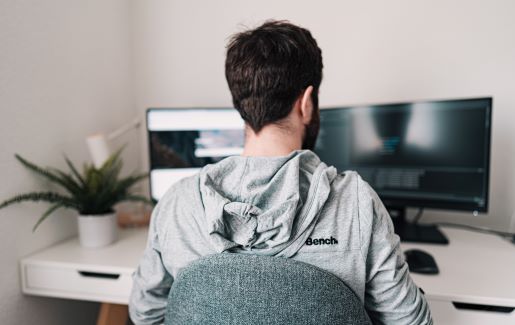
{"x":93,"y":194}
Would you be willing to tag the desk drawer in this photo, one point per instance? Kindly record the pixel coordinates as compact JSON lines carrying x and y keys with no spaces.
{"x":445,"y":312}
{"x":76,"y":284}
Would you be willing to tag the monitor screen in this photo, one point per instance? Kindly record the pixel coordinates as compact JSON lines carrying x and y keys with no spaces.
{"x":181,"y":141}
{"x":424,"y":154}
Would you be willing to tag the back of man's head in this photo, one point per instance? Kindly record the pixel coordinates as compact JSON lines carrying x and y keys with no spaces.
{"x":268,"y":68}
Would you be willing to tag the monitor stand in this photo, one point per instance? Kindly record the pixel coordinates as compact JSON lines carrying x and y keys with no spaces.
{"x":414,"y":232}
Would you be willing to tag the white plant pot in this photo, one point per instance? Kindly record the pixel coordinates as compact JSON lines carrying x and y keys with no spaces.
{"x":97,"y":230}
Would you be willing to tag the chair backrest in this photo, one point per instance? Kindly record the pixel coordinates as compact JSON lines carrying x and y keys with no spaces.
{"x":251,"y":289}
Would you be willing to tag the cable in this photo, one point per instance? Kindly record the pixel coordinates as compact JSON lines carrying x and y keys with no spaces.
{"x":485,"y":230}
{"x":124,"y":128}
{"x":508,"y":235}
{"x":478,"y":229}
{"x":417,"y":217}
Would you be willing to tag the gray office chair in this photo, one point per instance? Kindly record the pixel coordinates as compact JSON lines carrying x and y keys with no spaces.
{"x":251,"y":289}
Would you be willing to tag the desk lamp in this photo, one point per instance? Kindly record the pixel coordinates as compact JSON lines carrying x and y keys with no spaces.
{"x":98,"y":143}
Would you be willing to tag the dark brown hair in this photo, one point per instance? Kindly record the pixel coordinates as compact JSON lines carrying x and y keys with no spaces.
{"x":268,"y":67}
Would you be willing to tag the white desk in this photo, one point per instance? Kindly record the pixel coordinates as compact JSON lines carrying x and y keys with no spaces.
{"x":104,"y":275}
{"x":475,"y":269}
{"x":68,"y":270}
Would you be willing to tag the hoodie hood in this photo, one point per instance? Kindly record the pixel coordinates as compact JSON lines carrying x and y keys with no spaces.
{"x":264,"y":205}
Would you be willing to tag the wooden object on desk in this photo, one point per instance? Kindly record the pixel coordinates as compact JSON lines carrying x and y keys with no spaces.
{"x":132,"y":215}
{"x":113,"y":314}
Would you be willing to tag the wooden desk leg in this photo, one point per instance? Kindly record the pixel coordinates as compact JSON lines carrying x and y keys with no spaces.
{"x":113,"y":314}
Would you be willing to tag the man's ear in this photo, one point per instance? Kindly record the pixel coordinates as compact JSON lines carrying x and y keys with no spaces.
{"x":306,"y":105}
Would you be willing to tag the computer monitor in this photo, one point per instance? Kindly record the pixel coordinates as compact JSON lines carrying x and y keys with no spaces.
{"x":432,"y":154}
{"x":181,"y":141}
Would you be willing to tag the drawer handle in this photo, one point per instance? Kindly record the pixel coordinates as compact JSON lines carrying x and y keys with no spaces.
{"x":490,"y":308}
{"x":113,"y":276}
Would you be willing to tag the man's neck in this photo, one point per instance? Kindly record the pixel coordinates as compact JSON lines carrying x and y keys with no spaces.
{"x":271,"y":141}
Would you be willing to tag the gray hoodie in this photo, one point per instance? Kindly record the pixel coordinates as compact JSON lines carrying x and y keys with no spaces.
{"x":293,"y":206}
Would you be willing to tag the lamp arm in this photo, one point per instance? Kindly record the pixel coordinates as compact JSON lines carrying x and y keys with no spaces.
{"x":124,"y":129}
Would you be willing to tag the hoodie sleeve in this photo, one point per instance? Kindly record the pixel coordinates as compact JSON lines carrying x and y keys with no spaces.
{"x":391,"y":296}
{"x":151,"y":281}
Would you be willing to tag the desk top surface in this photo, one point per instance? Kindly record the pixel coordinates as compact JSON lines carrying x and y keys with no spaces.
{"x":121,"y":257}
{"x":474,"y":267}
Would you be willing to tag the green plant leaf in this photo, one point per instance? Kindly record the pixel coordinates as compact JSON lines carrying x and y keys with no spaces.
{"x":113,"y":158}
{"x":129,"y":181}
{"x":110,"y":176}
{"x":41,"y":196}
{"x":69,"y":183}
{"x":74,"y":170}
{"x":41,"y":171}
{"x":94,"y":191}
{"x":121,"y":189}
{"x":46,"y":214}
{"x":93,"y":180}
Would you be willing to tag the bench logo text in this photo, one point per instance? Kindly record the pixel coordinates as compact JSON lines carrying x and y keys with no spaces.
{"x":321,"y":241}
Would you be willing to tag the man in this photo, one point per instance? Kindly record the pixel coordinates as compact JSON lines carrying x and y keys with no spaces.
{"x":277,"y":199}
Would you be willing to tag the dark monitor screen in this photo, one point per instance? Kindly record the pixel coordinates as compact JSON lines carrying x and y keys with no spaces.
{"x":424,"y":154}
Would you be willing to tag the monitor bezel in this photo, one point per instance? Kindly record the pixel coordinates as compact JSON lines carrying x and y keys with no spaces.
{"x":398,"y":202}
{"x":149,"y":151}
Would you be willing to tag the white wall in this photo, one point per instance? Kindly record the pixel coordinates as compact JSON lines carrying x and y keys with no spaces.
{"x":374,"y":51}
{"x":64,"y":74}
